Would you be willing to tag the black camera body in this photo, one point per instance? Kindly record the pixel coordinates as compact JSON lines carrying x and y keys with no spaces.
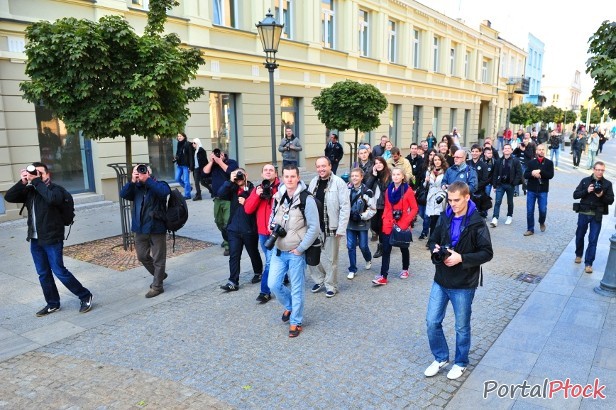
{"x":216,"y":152}
{"x":32,"y":170}
{"x":598,"y":187}
{"x":239,"y":176}
{"x":397,"y":213}
{"x":277,"y":232}
{"x":266,"y":185}
{"x":439,"y":257}
{"x":142,"y":169}
{"x":440,"y":197}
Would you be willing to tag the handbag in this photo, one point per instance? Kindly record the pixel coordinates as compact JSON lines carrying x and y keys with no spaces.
{"x":400,"y":238}
{"x":421,"y":195}
{"x":313,"y":253}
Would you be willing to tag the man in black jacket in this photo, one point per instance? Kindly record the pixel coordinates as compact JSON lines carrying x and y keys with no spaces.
{"x":480,"y":197}
{"x":241,"y":229}
{"x":538,"y":173}
{"x":507,"y":174}
{"x":334,"y":152}
{"x":43,"y":200}
{"x":596,"y":195}
{"x":460,"y":244}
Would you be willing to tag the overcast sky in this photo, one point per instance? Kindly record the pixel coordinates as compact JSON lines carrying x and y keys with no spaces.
{"x":563,"y":26}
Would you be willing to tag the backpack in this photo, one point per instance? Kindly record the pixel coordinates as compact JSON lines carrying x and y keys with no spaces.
{"x":358,"y":203}
{"x":176,"y":214}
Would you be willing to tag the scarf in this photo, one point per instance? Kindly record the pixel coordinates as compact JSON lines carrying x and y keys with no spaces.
{"x":395,"y":195}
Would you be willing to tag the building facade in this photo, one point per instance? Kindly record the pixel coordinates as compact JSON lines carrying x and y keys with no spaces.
{"x":534,"y":71}
{"x":435,"y":72}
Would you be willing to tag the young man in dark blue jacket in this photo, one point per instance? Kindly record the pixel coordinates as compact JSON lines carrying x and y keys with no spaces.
{"x":538,"y":173}
{"x":149,"y":206}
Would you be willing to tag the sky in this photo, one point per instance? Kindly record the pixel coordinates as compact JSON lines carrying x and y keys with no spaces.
{"x":563,"y":26}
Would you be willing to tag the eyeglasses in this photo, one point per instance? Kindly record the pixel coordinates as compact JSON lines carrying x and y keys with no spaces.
{"x":600,"y":170}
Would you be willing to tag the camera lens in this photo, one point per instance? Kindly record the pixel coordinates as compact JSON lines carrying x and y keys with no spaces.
{"x":31,"y":170}
{"x":216,"y":152}
{"x":142,"y":169}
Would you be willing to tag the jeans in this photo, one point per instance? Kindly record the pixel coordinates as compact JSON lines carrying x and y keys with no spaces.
{"x":353,"y":237}
{"x":182,"y":177}
{"x":577,"y":155}
{"x":595,"y":229}
{"x":197,"y":175}
{"x":237,"y":241}
{"x":517,"y":187}
{"x":501,"y":190}
{"x":542,"y":203}
{"x":292,"y":299}
{"x":151,"y":251}
{"x":590,"y":162}
{"x":406,"y":258}
{"x":268,"y":257}
{"x":554,"y":152}
{"x":286,"y":162}
{"x":425,"y":218}
{"x":48,"y":259}
{"x":501,"y":142}
{"x":488,"y":189}
{"x":222,"y":210}
{"x":461,"y":301}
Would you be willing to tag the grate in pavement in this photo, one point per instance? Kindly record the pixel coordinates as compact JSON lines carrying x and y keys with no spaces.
{"x":109,"y":252}
{"x":528,"y":278}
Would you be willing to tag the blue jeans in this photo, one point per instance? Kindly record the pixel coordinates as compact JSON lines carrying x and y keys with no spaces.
{"x":488,"y":189}
{"x":425,"y":228}
{"x":353,"y":237}
{"x":182,"y":177}
{"x":461,"y":301}
{"x":501,"y":143}
{"x":595,"y":229}
{"x":48,"y":258}
{"x":517,"y":187}
{"x":590,"y":162}
{"x":294,"y":266}
{"x":268,"y":256}
{"x":542,"y":203}
{"x":554,"y":152}
{"x":501,"y":190}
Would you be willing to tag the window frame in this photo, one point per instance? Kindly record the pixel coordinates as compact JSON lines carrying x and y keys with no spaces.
{"x":328,"y":25}
{"x":223,"y":14}
{"x":435,"y":49}
{"x":364,"y":32}
{"x":289,"y":11}
{"x":391,"y":41}
{"x":416,"y":48}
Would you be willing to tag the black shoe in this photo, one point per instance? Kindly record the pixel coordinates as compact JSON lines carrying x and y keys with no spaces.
{"x":197,"y":198}
{"x":256,"y":278}
{"x":317,"y":287}
{"x":86,"y":304}
{"x":286,"y":316}
{"x":423,"y":236}
{"x":379,"y":251}
{"x":264,"y":298}
{"x":226,"y":252}
{"x":47,"y":310}
{"x":230,"y":287}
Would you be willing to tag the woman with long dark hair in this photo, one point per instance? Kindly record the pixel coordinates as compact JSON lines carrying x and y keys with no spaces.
{"x":379,"y":179}
{"x":436,"y":196}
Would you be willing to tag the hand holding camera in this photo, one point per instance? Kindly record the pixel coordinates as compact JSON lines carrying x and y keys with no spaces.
{"x":31,"y":174}
{"x":140,"y":173}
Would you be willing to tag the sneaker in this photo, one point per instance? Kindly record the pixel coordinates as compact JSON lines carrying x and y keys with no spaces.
{"x":380,"y":281}
{"x":86,"y":304}
{"x":508,"y":221}
{"x":542,"y":227}
{"x":588,"y":269}
{"x":578,"y":259}
{"x":256,"y":278}
{"x":47,"y":310}
{"x":330,"y":293}
{"x":229,"y":287}
{"x":295,"y":330}
{"x":317,"y":287}
{"x":368,"y":265}
{"x":494,"y":222}
{"x":153,"y":293}
{"x":422,"y":236}
{"x":351,"y":275}
{"x":404,"y":274}
{"x":286,"y":315}
{"x":263,"y":298}
{"x":455,"y":372}
{"x":434,"y":368}
{"x":528,"y":233}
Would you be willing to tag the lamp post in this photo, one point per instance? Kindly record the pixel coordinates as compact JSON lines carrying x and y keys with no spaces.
{"x":510,"y":91}
{"x":270,"y":32}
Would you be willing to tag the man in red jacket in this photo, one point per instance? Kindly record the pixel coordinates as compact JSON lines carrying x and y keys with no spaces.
{"x":260,"y":202}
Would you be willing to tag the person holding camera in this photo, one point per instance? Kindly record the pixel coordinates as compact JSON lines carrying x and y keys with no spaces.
{"x":538,"y":172}
{"x":149,"y":198}
{"x":43,"y":200}
{"x":460,"y":244}
{"x":260,"y":203}
{"x":290,"y":148}
{"x":379,"y":179}
{"x":199,"y":161}
{"x":293,"y":232}
{"x":219,"y":170}
{"x":241,"y":229}
{"x":435,"y":204}
{"x":596,"y":195}
{"x":184,"y":162}
{"x":507,"y":175}
{"x":363,"y":208}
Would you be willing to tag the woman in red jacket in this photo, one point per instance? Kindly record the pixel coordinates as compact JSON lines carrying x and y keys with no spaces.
{"x":400,"y":208}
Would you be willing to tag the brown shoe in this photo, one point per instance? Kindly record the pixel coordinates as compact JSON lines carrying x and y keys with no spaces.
{"x":588,"y":269}
{"x":294,"y":330}
{"x":578,"y":259}
{"x":528,"y":233}
{"x":226,"y":252}
{"x":153,"y":293}
{"x":542,"y":227}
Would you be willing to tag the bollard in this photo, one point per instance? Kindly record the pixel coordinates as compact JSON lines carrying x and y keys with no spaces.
{"x":607,"y":286}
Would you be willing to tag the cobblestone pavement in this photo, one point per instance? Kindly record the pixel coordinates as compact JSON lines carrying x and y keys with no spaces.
{"x":364,"y":348}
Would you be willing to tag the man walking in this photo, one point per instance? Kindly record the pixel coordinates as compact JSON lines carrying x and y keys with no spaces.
{"x":288,"y":254}
{"x":290,"y":148}
{"x":460,"y":244}
{"x":596,"y":195}
{"x":334,"y":152}
{"x":554,"y":147}
{"x":507,"y":174}
{"x":577,"y":147}
{"x":460,"y":171}
{"x":43,"y":200}
{"x":333,"y":193}
{"x":538,"y":173}
{"x":183,"y":160}
{"x":149,"y":206}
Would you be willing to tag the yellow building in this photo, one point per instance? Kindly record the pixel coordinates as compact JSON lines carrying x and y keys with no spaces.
{"x":436,"y":73}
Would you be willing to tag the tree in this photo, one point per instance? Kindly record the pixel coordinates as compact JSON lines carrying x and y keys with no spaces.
{"x":350,"y":105}
{"x":569,"y":117}
{"x":551,"y":114}
{"x":525,"y":114}
{"x":105,"y":80}
{"x":602,"y":66}
{"x":595,"y":115}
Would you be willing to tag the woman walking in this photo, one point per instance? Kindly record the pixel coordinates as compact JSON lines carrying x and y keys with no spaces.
{"x":379,"y":179}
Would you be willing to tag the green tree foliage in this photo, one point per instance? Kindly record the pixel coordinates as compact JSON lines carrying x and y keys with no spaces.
{"x":595,"y":115}
{"x":105,"y":80}
{"x":525,"y":114}
{"x":350,"y":105}
{"x":569,"y":116}
{"x":602,"y":66}
{"x":551,"y":114}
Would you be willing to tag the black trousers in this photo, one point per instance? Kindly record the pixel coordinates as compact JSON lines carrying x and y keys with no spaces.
{"x":237,"y":242}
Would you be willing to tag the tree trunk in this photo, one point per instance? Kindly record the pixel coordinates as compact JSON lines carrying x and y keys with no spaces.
{"x":355,"y":148}
{"x":129,"y":154}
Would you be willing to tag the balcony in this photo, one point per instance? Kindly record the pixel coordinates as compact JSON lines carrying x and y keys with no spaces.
{"x":536,"y":100}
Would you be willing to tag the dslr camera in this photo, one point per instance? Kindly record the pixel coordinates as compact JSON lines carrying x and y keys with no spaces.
{"x":142,"y":169}
{"x":32,"y":170}
{"x":397,"y":214}
{"x":239,"y":176}
{"x":598,"y":187}
{"x":216,"y":152}
{"x":277,"y":232}
{"x":439,"y":257}
{"x":266,"y":185}
{"x":440,"y":197}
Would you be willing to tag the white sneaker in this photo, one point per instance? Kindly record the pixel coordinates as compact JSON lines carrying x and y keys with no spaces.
{"x":351,"y":275}
{"x":494,"y":222}
{"x":455,"y":372}
{"x":508,"y":221}
{"x":433,"y":369}
{"x":368,"y":265}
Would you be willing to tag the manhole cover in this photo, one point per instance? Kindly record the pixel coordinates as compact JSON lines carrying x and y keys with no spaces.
{"x":528,"y":278}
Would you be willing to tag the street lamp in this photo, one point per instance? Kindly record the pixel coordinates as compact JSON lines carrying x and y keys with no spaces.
{"x":270,"y":32}
{"x":510,"y":91}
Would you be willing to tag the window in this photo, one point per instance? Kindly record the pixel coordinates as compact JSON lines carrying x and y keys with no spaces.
{"x":289,"y":115}
{"x":484,"y":71}
{"x":467,"y":122}
{"x":453,"y":118}
{"x":436,"y":121}
{"x":364,"y":34}
{"x":392,"y":41}
{"x":284,"y":15}
{"x":394,"y":113}
{"x":327,"y":20}
{"x":435,"y":61}
{"x":145,"y":4}
{"x":452,"y":61}
{"x":223,"y":123}
{"x":467,"y":61}
{"x":416,"y":49}
{"x":417,"y":110}
{"x":512,"y":72}
{"x":225,"y":13}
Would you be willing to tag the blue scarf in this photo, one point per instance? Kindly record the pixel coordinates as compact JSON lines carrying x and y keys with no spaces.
{"x":395,"y":195}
